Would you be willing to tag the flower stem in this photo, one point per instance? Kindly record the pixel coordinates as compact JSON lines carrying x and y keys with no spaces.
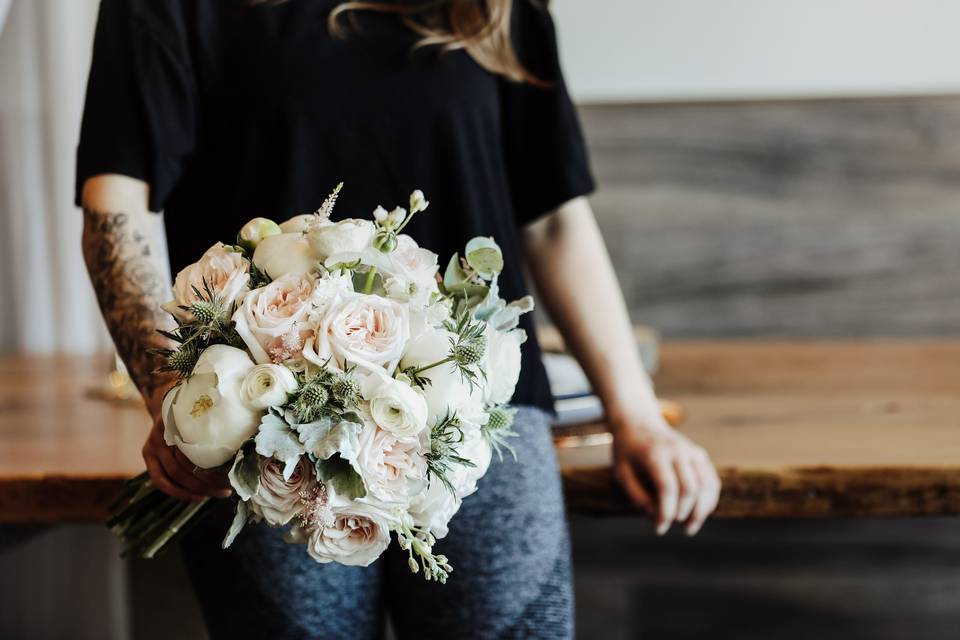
{"x":420,"y":370}
{"x":368,"y":283}
{"x":174,"y":527}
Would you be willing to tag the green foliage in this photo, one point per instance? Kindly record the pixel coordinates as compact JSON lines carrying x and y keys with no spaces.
{"x":339,"y":474}
{"x":445,"y":439}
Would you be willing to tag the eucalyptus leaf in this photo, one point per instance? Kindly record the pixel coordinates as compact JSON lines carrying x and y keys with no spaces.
{"x":277,"y":440}
{"x":244,"y":475}
{"x":484,"y":256}
{"x":454,"y":274}
{"x":340,"y":475}
{"x":239,"y":520}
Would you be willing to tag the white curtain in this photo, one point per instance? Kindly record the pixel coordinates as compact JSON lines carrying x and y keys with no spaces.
{"x":46,"y":302}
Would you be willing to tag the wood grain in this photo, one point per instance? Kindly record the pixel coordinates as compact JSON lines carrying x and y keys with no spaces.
{"x":800,"y":429}
{"x":825,"y":218}
{"x":808,"y":429}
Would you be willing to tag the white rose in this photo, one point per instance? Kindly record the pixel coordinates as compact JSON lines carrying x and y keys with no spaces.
{"x":277,"y":500}
{"x":394,"y":405}
{"x":448,"y":391}
{"x":433,"y":508}
{"x":356,"y":534}
{"x":273,"y":319}
{"x":256,"y":230}
{"x":502,"y":364}
{"x":347,"y":236}
{"x":409,"y":272}
{"x":285,"y":253}
{"x":392,"y":467}
{"x":369,"y":331}
{"x":302,"y":222}
{"x":267,"y":385}
{"x":226,"y":272}
{"x":204,"y":416}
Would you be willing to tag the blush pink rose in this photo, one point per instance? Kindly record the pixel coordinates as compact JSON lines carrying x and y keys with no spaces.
{"x":272,"y":320}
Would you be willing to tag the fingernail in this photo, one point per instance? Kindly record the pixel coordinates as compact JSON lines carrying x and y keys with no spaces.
{"x":693,"y":530}
{"x":662,"y":528}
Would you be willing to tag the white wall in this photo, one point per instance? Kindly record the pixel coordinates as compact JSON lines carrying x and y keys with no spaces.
{"x":706,"y":49}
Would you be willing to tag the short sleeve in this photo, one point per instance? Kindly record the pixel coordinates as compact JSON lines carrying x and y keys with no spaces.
{"x":139,"y":115}
{"x":546,"y":157}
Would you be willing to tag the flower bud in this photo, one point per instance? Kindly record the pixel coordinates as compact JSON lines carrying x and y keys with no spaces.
{"x":413,"y":564}
{"x":418,"y":202}
{"x":380,"y":214}
{"x":256,"y":230}
{"x":385,"y":242}
{"x":396,"y":217}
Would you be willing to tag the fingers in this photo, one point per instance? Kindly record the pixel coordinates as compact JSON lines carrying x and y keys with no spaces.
{"x":174,"y":474}
{"x":664,"y":478}
{"x":162,"y":481}
{"x":709,"y":492}
{"x":638,"y":494}
{"x":689,"y":483}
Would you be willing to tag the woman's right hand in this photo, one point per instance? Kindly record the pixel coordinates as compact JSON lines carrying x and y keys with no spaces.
{"x":171,"y":472}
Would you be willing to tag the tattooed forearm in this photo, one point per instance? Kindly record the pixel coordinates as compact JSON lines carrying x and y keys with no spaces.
{"x":130,"y":289}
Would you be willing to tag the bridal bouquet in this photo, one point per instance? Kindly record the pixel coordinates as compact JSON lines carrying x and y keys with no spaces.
{"x":351,"y":390}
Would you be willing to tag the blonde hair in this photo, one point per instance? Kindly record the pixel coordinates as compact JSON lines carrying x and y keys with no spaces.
{"x":479,"y":27}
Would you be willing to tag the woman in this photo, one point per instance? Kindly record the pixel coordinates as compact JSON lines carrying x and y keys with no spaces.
{"x":217,"y":111}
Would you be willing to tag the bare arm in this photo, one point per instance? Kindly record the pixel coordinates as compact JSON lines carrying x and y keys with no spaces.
{"x":130,"y":289}
{"x":576,"y":281}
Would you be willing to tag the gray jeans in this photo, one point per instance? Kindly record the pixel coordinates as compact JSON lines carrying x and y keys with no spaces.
{"x":508,"y":544}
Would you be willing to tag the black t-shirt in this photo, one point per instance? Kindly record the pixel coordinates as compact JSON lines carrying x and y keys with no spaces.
{"x":230,"y":111}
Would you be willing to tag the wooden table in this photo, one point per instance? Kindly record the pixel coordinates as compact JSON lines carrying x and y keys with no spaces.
{"x":808,"y":429}
{"x":798,"y":430}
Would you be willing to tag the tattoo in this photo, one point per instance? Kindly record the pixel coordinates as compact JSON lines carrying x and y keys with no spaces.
{"x":129,"y":289}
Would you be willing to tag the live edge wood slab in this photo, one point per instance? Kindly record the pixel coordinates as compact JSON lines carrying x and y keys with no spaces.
{"x":798,"y":429}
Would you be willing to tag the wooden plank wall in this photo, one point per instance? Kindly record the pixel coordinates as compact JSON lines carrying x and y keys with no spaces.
{"x":803,"y":218}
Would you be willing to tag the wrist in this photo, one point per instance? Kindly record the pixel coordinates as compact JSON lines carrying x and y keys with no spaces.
{"x":639,"y":410}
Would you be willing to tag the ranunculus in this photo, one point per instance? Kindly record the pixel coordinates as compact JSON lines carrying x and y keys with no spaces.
{"x":347,"y":236}
{"x":285,"y":253}
{"x":394,"y":405}
{"x":392,"y":467}
{"x":204,"y":416}
{"x":277,"y":500}
{"x":356,"y":534}
{"x":448,"y":391}
{"x":226,"y":272}
{"x":502,"y":364}
{"x":302,"y":222}
{"x":273,"y":319}
{"x":365,"y":330}
{"x":256,"y":230}
{"x":267,"y":385}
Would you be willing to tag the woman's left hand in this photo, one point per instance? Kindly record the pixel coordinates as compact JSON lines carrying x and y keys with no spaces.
{"x":665,"y":473}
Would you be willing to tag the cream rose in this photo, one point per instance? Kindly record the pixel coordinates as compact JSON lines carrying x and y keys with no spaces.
{"x":267,"y":385}
{"x":272,"y":321}
{"x":502,"y":364}
{"x":285,"y":253}
{"x":356,"y":534}
{"x":277,"y":500}
{"x":394,"y":405}
{"x":364,"y":330}
{"x":347,"y":236}
{"x":204,"y":416}
{"x":226,"y":272}
{"x":392,"y":467}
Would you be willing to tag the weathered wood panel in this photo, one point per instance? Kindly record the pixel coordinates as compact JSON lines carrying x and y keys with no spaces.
{"x":827,"y":218}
